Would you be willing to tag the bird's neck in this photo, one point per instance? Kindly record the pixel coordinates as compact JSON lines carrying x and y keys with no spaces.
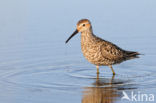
{"x":87,"y":33}
{"x":87,"y":36}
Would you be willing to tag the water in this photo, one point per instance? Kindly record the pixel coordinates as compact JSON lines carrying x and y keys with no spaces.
{"x":37,"y":67}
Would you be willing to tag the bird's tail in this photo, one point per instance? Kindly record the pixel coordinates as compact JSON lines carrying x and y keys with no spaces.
{"x":131,"y":55}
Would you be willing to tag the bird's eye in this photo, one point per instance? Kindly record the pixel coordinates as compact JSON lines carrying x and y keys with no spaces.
{"x":83,"y":25}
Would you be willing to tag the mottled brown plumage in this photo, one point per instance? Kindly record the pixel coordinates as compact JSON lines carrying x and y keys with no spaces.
{"x":98,"y":51}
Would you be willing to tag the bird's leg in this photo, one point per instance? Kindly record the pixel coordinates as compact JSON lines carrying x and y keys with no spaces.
{"x":112,"y":69}
{"x":97,"y":77}
{"x":97,"y":67}
{"x":111,"y":81}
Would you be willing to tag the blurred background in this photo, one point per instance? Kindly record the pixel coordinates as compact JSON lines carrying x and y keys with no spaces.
{"x":37,"y":66}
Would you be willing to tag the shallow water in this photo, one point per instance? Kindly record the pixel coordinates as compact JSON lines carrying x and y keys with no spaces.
{"x":36,"y":66}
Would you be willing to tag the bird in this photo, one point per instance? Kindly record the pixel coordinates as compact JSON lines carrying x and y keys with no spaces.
{"x":98,"y":51}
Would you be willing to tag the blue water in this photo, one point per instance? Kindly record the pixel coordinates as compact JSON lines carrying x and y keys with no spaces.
{"x":36,"y":66}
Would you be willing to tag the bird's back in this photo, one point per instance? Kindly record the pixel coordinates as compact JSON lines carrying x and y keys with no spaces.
{"x":105,"y":52}
{"x":115,"y":53}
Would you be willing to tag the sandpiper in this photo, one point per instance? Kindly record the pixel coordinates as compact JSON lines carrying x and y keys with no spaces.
{"x":98,"y":51}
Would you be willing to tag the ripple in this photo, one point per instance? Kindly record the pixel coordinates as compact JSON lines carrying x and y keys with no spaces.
{"x":134,"y":75}
{"x":56,"y":73}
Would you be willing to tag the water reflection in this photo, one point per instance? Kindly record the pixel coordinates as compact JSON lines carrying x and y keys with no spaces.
{"x":105,"y":90}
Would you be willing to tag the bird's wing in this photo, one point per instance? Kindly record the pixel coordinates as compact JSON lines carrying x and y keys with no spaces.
{"x":111,"y":51}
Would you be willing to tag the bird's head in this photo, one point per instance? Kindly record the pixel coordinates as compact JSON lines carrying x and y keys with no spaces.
{"x":82,"y":26}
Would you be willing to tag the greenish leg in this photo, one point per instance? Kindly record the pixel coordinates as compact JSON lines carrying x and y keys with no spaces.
{"x":97,"y":77}
{"x":112,"y":69}
{"x":97,"y":67}
{"x":112,"y":79}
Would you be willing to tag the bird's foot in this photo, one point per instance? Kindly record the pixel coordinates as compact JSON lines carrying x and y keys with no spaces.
{"x":97,"y":72}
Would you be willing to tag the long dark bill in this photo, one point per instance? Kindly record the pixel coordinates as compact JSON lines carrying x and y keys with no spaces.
{"x":74,"y":33}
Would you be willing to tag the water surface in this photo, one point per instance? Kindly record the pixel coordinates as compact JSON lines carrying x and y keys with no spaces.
{"x":36,"y":66}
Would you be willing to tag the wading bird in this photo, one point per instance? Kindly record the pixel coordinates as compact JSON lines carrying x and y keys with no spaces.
{"x":98,"y":51}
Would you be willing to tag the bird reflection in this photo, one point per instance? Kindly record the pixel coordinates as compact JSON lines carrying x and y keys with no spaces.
{"x":104,"y":90}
